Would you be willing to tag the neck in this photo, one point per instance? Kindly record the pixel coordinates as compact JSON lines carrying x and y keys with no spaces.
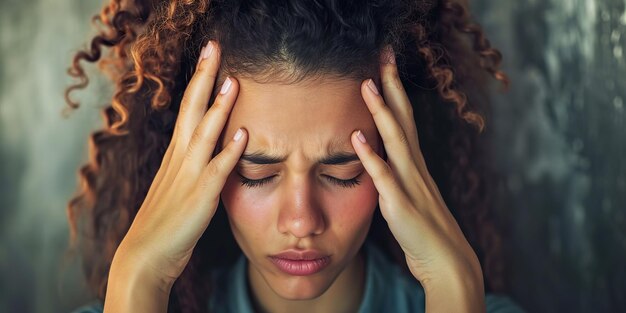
{"x":344,"y":295}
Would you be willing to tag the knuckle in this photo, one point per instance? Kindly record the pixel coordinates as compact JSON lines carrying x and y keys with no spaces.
{"x":388,"y":82}
{"x":218,"y":108}
{"x":179,"y":149}
{"x":215,"y":107}
{"x":208,"y":141}
{"x":383,"y":171}
{"x":189,"y":152}
{"x":196,"y":137}
{"x":409,"y":110}
{"x":184,"y":104}
{"x":411,"y":129}
{"x":380,"y":110}
{"x":393,"y":81}
{"x":212,"y":142}
{"x":389,"y":177}
{"x":398,"y":83}
{"x":221,"y":162}
{"x":403,"y":139}
{"x":214,"y":168}
{"x":207,"y":69}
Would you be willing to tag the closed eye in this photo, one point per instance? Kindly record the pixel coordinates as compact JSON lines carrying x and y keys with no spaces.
{"x":345,"y":183}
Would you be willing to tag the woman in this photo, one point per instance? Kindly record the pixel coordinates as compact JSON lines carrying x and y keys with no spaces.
{"x":295,"y":183}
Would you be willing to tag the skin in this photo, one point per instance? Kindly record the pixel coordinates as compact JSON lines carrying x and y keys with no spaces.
{"x":298,"y":209}
{"x":301,"y":208}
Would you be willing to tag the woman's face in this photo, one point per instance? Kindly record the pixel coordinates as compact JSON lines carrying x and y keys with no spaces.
{"x":306,"y":128}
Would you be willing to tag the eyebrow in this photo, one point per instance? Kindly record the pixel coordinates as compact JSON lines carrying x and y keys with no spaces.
{"x":336,"y":158}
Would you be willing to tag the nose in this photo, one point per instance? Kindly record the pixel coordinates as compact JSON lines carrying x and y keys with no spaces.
{"x":301,"y":214}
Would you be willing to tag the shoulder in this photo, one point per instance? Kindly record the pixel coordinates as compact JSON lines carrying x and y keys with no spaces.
{"x":93,"y":307}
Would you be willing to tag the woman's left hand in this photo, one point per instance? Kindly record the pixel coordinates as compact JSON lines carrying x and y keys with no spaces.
{"x":436,"y":251}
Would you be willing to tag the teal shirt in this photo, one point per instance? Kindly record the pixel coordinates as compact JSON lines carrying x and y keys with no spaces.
{"x":387,"y":289}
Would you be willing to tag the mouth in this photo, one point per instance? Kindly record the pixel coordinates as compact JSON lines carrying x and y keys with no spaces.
{"x":300,"y":263}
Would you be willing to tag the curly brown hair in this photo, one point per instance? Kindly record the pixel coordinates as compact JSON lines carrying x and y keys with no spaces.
{"x":153,"y":45}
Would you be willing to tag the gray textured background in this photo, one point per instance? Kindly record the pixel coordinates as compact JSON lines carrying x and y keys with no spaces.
{"x":558,"y":139}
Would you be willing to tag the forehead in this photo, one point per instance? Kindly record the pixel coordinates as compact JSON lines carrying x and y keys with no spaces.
{"x":312,"y":117}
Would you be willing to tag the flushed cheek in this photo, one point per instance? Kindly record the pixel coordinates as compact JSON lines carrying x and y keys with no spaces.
{"x":247,"y":211}
{"x":352,"y":210}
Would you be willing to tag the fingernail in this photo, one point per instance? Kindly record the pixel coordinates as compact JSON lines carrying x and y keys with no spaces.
{"x":388,"y":55}
{"x":359,"y":135}
{"x":238,"y":135}
{"x":372,"y":87}
{"x":226,"y":86}
{"x":208,"y":50}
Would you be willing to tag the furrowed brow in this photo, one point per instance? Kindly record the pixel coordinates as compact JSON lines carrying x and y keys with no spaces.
{"x":336,"y":158}
{"x":260,"y":157}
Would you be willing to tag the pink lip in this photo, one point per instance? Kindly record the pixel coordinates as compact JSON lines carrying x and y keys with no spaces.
{"x":300,"y":263}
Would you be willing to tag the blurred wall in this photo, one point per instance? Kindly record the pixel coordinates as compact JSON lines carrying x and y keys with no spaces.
{"x":560,"y":145}
{"x":558,"y":140}
{"x":40,"y":151}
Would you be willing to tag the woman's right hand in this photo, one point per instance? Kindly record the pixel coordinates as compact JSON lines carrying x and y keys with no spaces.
{"x":185,"y":192}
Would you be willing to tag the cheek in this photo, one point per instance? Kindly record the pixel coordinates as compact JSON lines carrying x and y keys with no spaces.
{"x":247,"y":211}
{"x":352,"y":209}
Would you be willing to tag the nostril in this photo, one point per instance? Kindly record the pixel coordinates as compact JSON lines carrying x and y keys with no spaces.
{"x":303,"y":226}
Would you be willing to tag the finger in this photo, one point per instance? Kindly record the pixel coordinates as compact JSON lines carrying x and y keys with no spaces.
{"x":196,"y":97}
{"x":192,"y":108}
{"x":156,"y":182}
{"x":206,"y":135}
{"x":200,"y":59}
{"x":396,"y":98}
{"x":387,"y":185}
{"x":399,"y":103}
{"x":392,"y":134}
{"x":214,"y":174}
{"x":202,"y":53}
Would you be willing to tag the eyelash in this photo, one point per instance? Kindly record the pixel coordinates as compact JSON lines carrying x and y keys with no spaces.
{"x":347,"y":183}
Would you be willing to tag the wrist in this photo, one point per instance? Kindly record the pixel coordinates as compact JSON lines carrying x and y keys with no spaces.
{"x":136,"y":274}
{"x":132,"y":288}
{"x":130,"y":263}
{"x":454,"y":290}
